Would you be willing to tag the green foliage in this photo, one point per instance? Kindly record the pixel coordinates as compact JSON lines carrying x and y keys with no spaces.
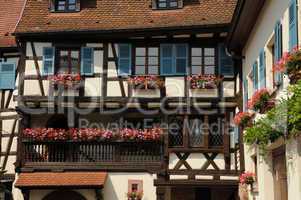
{"x":294,"y":109}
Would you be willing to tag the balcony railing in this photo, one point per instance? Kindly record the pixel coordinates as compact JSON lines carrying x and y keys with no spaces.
{"x":101,"y":154}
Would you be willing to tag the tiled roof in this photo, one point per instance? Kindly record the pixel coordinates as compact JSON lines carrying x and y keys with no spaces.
{"x":10,"y":11}
{"x":102,"y":15}
{"x":63,"y":179}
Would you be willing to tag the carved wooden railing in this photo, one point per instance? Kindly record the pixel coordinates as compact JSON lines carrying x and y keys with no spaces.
{"x":104,"y":154}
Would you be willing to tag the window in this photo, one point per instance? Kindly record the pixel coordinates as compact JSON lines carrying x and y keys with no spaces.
{"x":196,"y":130}
{"x":7,"y":75}
{"x":124,"y":59}
{"x":262,"y":69}
{"x":278,"y":48}
{"x":167,"y":4}
{"x":174,"y":59}
{"x":293,"y":24}
{"x":68,"y":61}
{"x":203,"y":60}
{"x":175,"y":131}
{"x":147,"y":60}
{"x":246,"y":94}
{"x":135,"y":186}
{"x":255,"y":76}
{"x":65,"y":5}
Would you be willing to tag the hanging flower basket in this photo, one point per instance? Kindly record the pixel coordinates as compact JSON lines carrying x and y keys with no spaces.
{"x":247,"y":178}
{"x":290,"y":63}
{"x":65,"y":80}
{"x":261,"y":101}
{"x":91,"y":134}
{"x":204,"y":81}
{"x":146,"y":82}
{"x":135,"y":195}
{"x":243,"y":119}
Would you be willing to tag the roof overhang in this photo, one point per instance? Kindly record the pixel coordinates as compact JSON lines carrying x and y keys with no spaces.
{"x":244,"y":19}
{"x":49,"y":180}
{"x":125,"y":33}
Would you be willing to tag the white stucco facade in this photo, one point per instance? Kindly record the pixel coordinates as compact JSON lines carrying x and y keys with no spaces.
{"x":262,"y":38}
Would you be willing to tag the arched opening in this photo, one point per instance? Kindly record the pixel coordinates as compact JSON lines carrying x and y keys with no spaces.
{"x":63,"y":195}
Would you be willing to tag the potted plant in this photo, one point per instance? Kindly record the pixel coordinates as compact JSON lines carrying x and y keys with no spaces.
{"x":290,"y":63}
{"x":146,"y":82}
{"x":243,"y":119}
{"x":204,"y":81}
{"x":65,"y":80}
{"x":137,"y":195}
{"x":261,"y":101}
{"x":247,"y":178}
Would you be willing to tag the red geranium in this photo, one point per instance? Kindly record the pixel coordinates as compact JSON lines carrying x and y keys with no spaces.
{"x":247,"y":178}
{"x":146,"y":82}
{"x":66,"y":80}
{"x":259,"y":99}
{"x":242,"y":118}
{"x":203,"y":81}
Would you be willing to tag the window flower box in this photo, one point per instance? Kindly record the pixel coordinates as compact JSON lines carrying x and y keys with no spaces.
{"x":243,"y":119}
{"x":65,"y":80}
{"x":290,"y":63}
{"x":135,"y":195}
{"x":261,"y":101}
{"x":146,"y":82}
{"x":91,"y":134}
{"x":204,"y":81}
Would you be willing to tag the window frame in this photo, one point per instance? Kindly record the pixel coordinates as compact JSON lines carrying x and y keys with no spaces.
{"x":146,"y":56}
{"x":168,"y":4}
{"x":55,"y":6}
{"x":69,"y":50}
{"x":203,"y":57}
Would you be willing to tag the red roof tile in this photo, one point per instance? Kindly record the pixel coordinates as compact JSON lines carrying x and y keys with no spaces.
{"x":63,"y":179}
{"x":105,"y":15}
{"x":10,"y":11}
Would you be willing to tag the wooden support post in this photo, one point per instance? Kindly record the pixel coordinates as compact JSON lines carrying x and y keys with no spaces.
{"x":21,"y":67}
{"x":206,"y":132}
{"x":241,"y":150}
{"x":35,"y":58}
{"x":226,"y":138}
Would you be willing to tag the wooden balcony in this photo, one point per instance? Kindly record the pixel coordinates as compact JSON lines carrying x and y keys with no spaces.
{"x":115,"y":156}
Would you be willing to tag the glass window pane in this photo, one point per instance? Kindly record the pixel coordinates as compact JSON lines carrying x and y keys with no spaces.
{"x":209,"y":51}
{"x":71,"y":1}
{"x":181,"y":66}
{"x":75,"y":61}
{"x":140,"y":51}
{"x":209,"y":70}
{"x":140,"y":60}
{"x":64,"y":62}
{"x":153,"y":51}
{"x":124,"y":66}
{"x":153,"y":70}
{"x":71,"y":7}
{"x":173,"y":4}
{"x":196,"y":51}
{"x":209,"y":60}
{"x":153,"y":60}
{"x":196,"y":60}
{"x":140,"y":70}
{"x":196,"y":69}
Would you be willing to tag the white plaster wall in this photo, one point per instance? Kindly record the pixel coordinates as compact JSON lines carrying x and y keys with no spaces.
{"x":261,"y":38}
{"x":40,"y":194}
{"x":116,"y":186}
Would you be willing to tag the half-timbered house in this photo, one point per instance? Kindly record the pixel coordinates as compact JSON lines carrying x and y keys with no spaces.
{"x":10,"y":12}
{"x":123,"y":99}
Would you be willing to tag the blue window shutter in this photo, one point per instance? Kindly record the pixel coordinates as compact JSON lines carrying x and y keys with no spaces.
{"x":262,"y":69}
{"x":124,"y":59}
{"x":167,"y":59}
{"x":48,"y":61}
{"x":246,"y":95}
{"x":278,"y":50}
{"x":181,"y":59}
{"x":7,"y":75}
{"x":255,"y":76}
{"x":293,"y":29}
{"x":87,"y":61}
{"x":226,"y":65}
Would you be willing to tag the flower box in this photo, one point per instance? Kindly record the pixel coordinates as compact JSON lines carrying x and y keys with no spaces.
{"x":91,"y":134}
{"x":146,"y":82}
{"x":261,"y":101}
{"x":65,"y":80}
{"x":290,"y":63}
{"x":204,"y":81}
{"x":135,"y":195}
{"x":243,"y":119}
